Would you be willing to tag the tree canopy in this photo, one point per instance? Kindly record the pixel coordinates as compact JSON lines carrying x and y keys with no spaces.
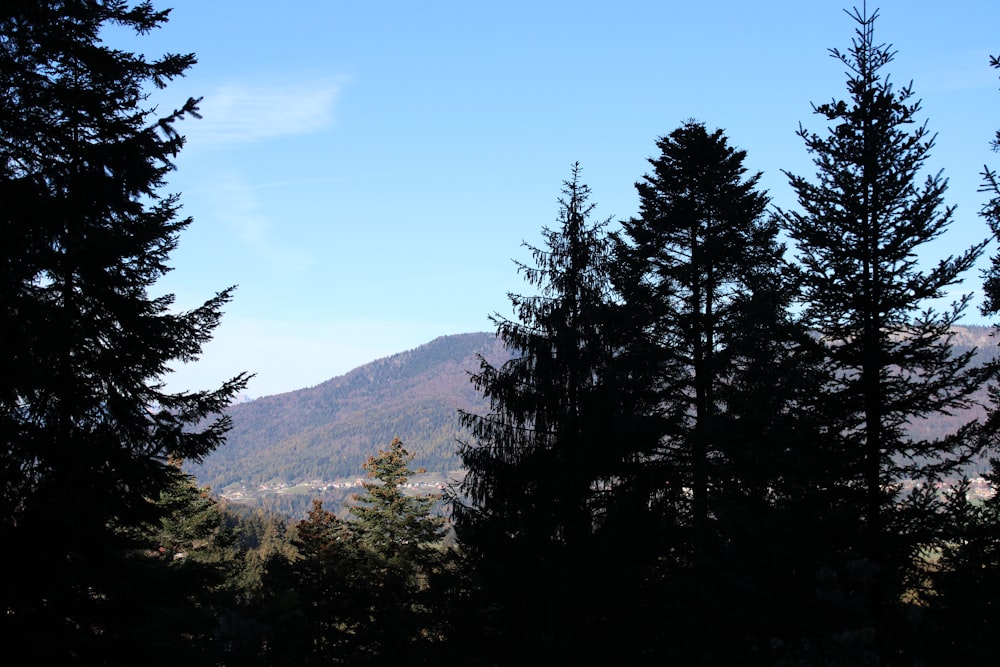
{"x":88,"y":426}
{"x":691,"y":449}
{"x":868,"y":290}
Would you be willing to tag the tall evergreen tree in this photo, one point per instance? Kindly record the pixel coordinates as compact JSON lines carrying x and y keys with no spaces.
{"x":991,"y":213}
{"x":707,"y":293}
{"x":179,"y":580}
{"x":865,"y":220}
{"x":402,"y":536}
{"x":87,"y":427}
{"x":688,"y":268}
{"x":550,"y":465}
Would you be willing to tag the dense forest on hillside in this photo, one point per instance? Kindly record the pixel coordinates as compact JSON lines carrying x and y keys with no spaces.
{"x":326,"y":432}
{"x":689,"y":444}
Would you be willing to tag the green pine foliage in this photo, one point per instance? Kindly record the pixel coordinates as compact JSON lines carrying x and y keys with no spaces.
{"x":182,"y":581}
{"x":359,"y":589}
{"x":397,"y":526}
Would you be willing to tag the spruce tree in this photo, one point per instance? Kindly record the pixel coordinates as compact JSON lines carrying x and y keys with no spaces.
{"x":685,"y":270}
{"x":402,"y":536}
{"x":87,"y":425}
{"x":868,"y":292}
{"x":991,"y":213}
{"x":361,"y":587}
{"x":706,"y":290}
{"x":401,"y":528}
{"x":551,"y":468}
{"x":182,"y":570}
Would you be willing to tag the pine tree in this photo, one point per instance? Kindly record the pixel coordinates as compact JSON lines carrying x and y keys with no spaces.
{"x":86,"y":424}
{"x":398,"y":527}
{"x":184,"y":568}
{"x":991,"y":213}
{"x":865,"y":222}
{"x":550,"y":491}
{"x":361,"y":586}
{"x":402,"y":536}
{"x":683,"y":264}
{"x":707,"y":292}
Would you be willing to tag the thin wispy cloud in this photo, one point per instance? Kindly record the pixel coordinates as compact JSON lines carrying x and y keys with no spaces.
{"x":238,"y":206}
{"x":246,"y":113}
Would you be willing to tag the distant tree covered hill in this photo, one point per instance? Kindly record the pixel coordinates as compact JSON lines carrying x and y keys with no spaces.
{"x":327,"y":431}
{"x":965,"y":338}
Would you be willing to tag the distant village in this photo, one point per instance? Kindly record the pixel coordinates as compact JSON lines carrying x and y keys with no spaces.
{"x":426,"y":483}
{"x":980,"y":488}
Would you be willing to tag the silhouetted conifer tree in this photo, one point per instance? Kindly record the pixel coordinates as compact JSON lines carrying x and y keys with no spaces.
{"x":991,"y":213}
{"x":86,"y":424}
{"x":707,"y":293}
{"x":962,"y":597}
{"x":684,"y":270}
{"x":552,"y":466}
{"x":866,"y":219}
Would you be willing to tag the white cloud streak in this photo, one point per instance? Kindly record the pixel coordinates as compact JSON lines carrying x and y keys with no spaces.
{"x":240,"y":113}
{"x":237,"y":204}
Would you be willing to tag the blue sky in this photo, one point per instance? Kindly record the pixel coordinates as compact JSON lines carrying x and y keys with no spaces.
{"x":367,"y":171}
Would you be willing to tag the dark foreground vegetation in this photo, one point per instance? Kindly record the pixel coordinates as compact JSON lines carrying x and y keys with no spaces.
{"x":698,"y":453}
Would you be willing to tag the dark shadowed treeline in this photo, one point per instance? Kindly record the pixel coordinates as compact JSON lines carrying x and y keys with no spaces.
{"x":690,"y":445}
{"x":706,"y":449}
{"x":417,"y":400}
{"x":89,"y":436}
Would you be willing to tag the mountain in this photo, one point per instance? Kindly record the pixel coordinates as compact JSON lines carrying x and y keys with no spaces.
{"x":312,"y":442}
{"x":964,"y":339}
{"x":326,"y":432}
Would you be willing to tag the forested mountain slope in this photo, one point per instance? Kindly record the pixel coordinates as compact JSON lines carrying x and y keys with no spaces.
{"x":965,"y":338}
{"x":327,"y":431}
